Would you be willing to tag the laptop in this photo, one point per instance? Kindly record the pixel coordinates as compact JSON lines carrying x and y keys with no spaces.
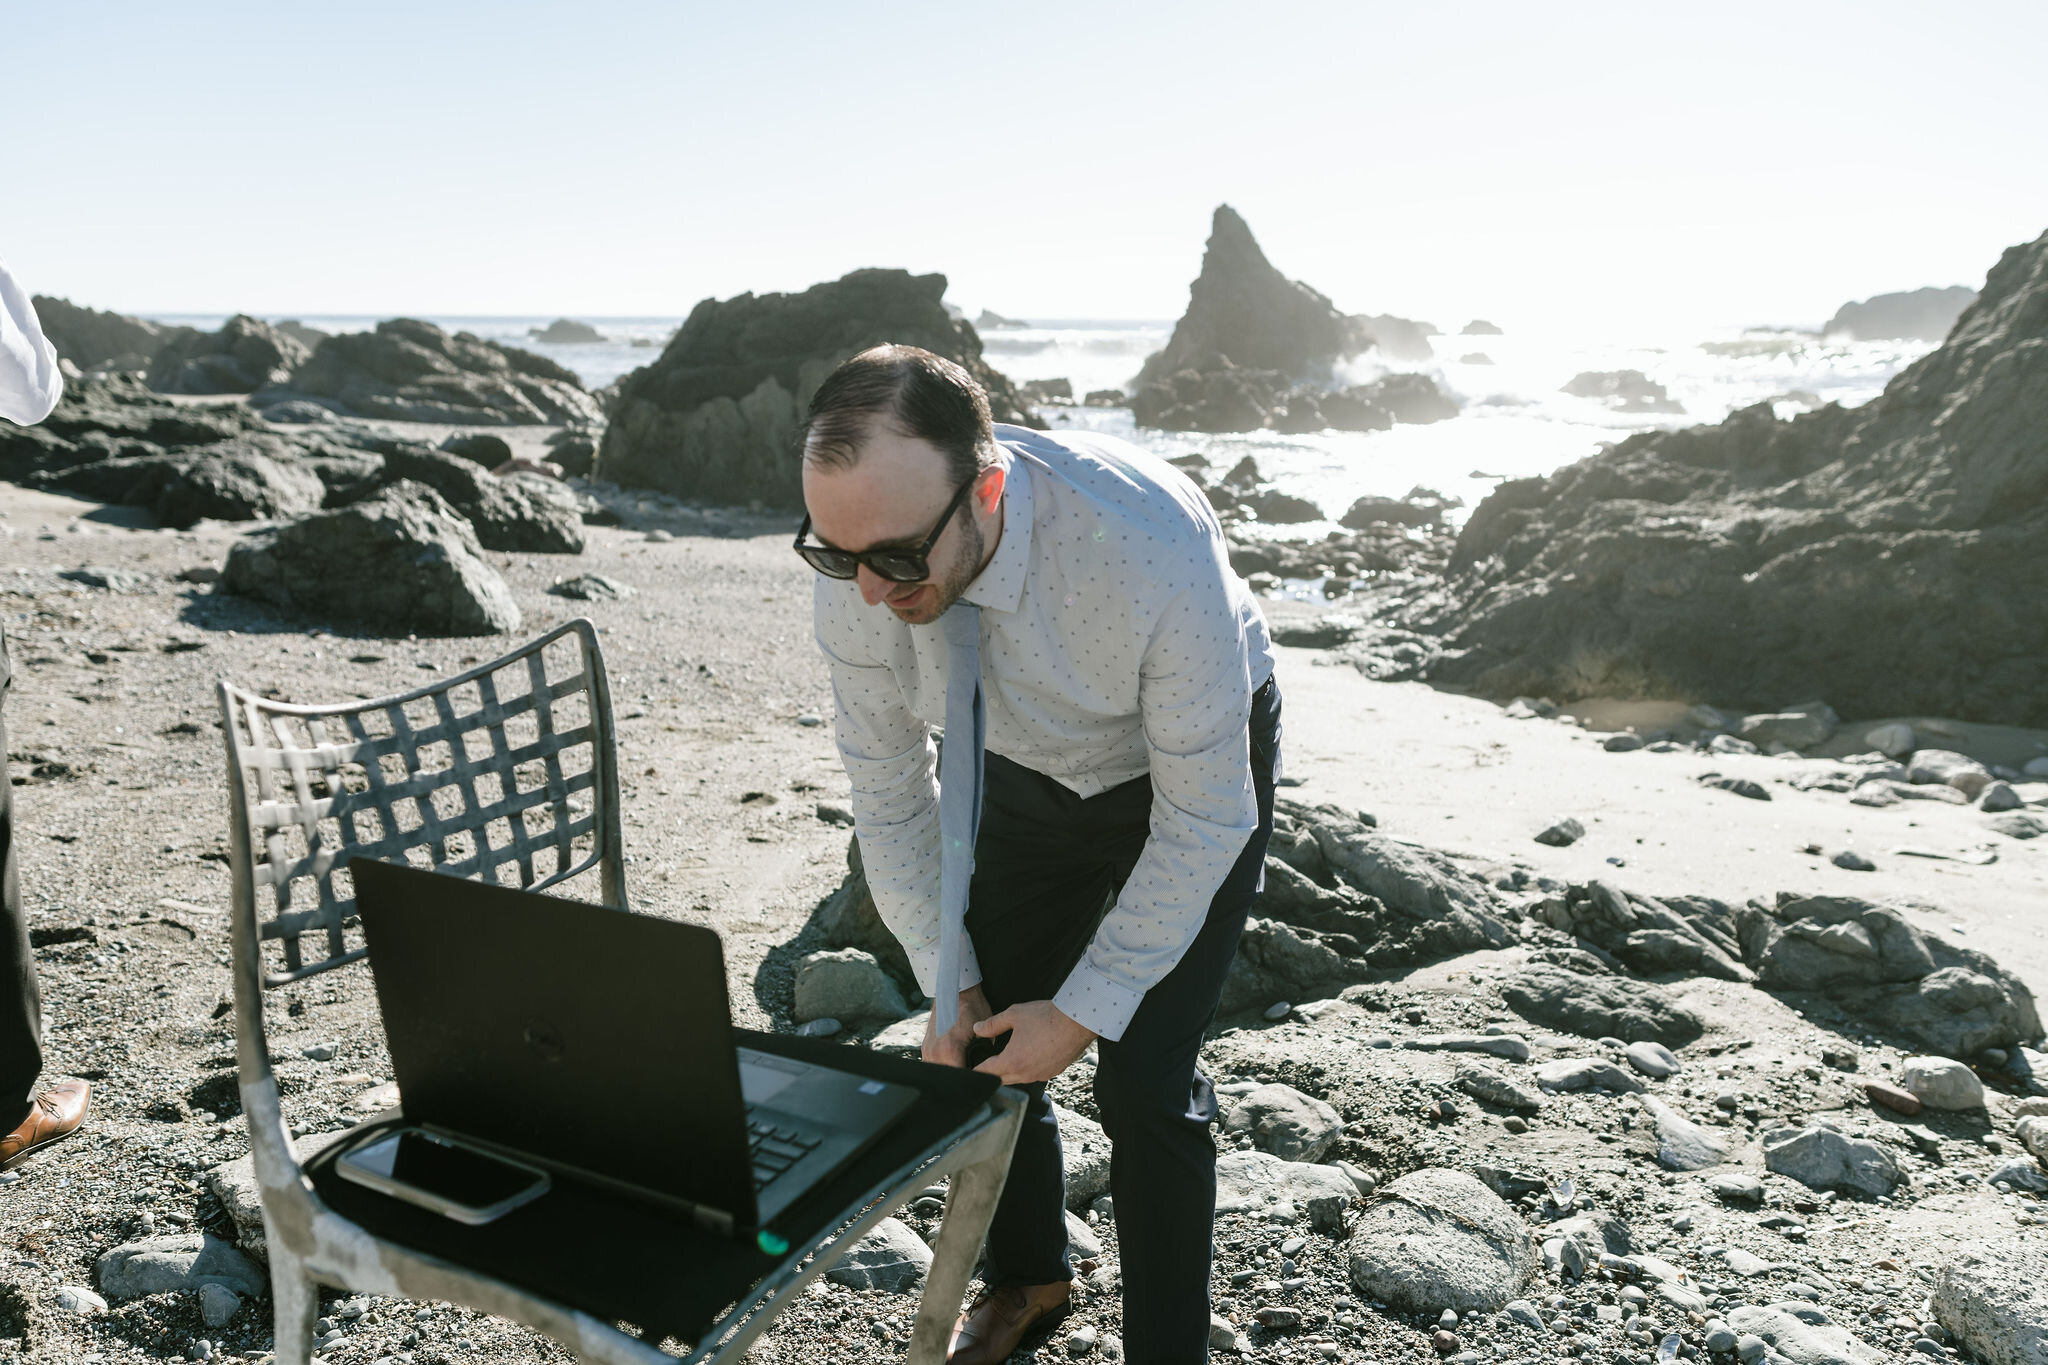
{"x":599,"y":1044}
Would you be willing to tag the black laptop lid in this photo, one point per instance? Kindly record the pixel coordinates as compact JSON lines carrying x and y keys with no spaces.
{"x":589,"y":1037}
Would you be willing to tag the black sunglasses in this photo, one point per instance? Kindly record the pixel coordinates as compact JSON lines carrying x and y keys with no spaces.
{"x":898,"y":566}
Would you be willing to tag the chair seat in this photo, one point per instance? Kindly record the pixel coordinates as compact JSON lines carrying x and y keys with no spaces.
{"x":619,"y":1260}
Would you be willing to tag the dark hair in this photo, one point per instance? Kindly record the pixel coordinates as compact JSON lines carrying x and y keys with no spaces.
{"x":922,"y":395}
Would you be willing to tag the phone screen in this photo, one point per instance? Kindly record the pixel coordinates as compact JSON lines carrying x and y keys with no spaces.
{"x":458,"y":1174}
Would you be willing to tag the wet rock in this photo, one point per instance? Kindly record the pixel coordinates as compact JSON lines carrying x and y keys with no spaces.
{"x":717,"y":414}
{"x":846,"y":984}
{"x":1682,"y":1145}
{"x":1994,"y":1299}
{"x":403,"y":560}
{"x":1600,"y":1007}
{"x":1439,"y":1239}
{"x":179,"y":1262}
{"x":412,"y":371}
{"x":1783,"y":1327}
{"x":1942,"y":1083}
{"x":1824,"y":1159}
{"x":1285,"y":1122}
{"x":890,"y":1258}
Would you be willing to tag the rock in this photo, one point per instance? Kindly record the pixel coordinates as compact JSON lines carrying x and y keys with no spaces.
{"x":1508,"y":1045}
{"x":1319,"y":632}
{"x":76,"y":1298}
{"x":2036,"y":767}
{"x":890,"y":1258}
{"x":1824,"y":1159}
{"x":592,"y":587}
{"x":1265,"y":1186}
{"x":2018,"y":826}
{"x":1801,"y":1342}
{"x":1801,"y":727}
{"x":1563,"y":834}
{"x":904,"y":1038}
{"x":1682,"y":1145}
{"x":1038,"y":391}
{"x":298,"y":412}
{"x":1737,"y":1189}
{"x":1747,"y":1265}
{"x":1892,"y":1097}
{"x":1895,"y":740}
{"x":218,"y":1304}
{"x":1622,"y":743}
{"x":1278,"y":1010}
{"x":1432,"y":907}
{"x":1607,"y":576}
{"x":1998,"y":796}
{"x":847,"y":984}
{"x":178,"y":1262}
{"x":1599,"y":1007}
{"x":566,"y":332}
{"x":1994,"y":1299}
{"x":1081,"y":1238}
{"x":1375,"y":510}
{"x":243,"y":356}
{"x":819,"y":1028}
{"x":234,"y":1184}
{"x":1623,"y":390}
{"x":1741,"y":786}
{"x":1084,"y":1151}
{"x":2022,"y":1175}
{"x":717,"y":415}
{"x":1439,"y":1239}
{"x":89,"y":338}
{"x":1913,"y":315}
{"x":1280,"y":960}
{"x":1523,"y":1313}
{"x":1224,"y":1336}
{"x":1942,"y":1083}
{"x":1583,"y":1073}
{"x":479,"y":447}
{"x":1851,"y":861}
{"x":1285,"y":1122}
{"x":412,"y":371}
{"x":1510,"y":1184}
{"x":1946,"y":767}
{"x":1484,"y":1083}
{"x":240,"y":480}
{"x":1080,"y":1341}
{"x":400,"y":561}
{"x":507,"y":514}
{"x":1652,"y":1059}
{"x":1360,"y":1180}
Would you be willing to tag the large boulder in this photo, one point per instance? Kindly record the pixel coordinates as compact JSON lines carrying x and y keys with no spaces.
{"x":717,"y":416}
{"x":1439,"y":1239}
{"x":848,"y":985}
{"x":400,"y":561}
{"x":90,"y":338}
{"x":110,"y":418}
{"x":1994,"y":1298}
{"x":413,"y":371}
{"x":1869,"y":958}
{"x":508,"y":514}
{"x":241,"y":480}
{"x":242,"y":357}
{"x":1884,"y":556}
{"x":1914,"y":315}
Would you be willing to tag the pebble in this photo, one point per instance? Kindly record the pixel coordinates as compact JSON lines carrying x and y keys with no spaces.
{"x":1276,"y":1318}
{"x":811,"y":719}
{"x":1446,"y":1343}
{"x":1849,"y":860}
{"x":1278,"y":1010}
{"x":835,"y":813}
{"x":1751,"y":1348}
{"x":818,"y":1028}
{"x":1081,"y":1341}
{"x":76,"y":1298}
{"x":319,"y":1052}
{"x":1563,"y":834}
{"x":1889,"y":1096}
{"x":1720,"y":1336}
{"x":1652,"y":1059}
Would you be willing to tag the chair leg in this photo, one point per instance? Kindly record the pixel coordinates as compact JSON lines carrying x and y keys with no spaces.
{"x":297,"y":1299}
{"x":970,"y":1205}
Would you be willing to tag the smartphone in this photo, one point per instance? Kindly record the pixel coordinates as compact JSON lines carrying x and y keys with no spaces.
{"x":445,"y":1174}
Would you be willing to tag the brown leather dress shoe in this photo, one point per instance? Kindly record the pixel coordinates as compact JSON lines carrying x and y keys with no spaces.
{"x":994,"y":1323}
{"x":56,"y":1113}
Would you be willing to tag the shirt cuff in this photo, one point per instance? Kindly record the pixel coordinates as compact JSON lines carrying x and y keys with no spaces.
{"x":924,"y":966}
{"x":1098,"y":1002}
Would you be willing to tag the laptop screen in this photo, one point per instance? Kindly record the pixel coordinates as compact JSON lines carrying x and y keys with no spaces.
{"x":587,"y":1037}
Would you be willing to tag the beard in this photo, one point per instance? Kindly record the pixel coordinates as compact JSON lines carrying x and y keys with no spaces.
{"x":948,"y":586}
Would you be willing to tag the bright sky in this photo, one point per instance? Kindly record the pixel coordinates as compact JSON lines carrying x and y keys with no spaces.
{"x":1582,"y":165}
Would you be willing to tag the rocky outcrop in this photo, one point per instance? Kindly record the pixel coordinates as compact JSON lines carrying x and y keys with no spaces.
{"x":243,"y":356}
{"x":249,"y":479}
{"x":92,"y":339}
{"x":717,"y":415}
{"x":413,"y":371}
{"x":566,"y":332}
{"x":1623,"y":390}
{"x":1915,"y":315}
{"x":1256,"y":349}
{"x":990,"y":319}
{"x":508,"y":514}
{"x":401,"y":561}
{"x":1885,"y":557}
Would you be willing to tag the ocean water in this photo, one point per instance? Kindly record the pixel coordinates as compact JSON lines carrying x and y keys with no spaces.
{"x":1515,"y":422}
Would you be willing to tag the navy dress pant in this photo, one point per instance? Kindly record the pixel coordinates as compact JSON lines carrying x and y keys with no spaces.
{"x":1046,"y":866}
{"x":21,"y":1051}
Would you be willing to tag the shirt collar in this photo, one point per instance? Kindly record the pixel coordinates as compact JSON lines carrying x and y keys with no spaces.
{"x":1000,"y":585}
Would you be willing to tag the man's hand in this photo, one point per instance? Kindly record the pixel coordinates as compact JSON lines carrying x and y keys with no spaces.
{"x":951,"y":1050}
{"x":1043,"y":1042}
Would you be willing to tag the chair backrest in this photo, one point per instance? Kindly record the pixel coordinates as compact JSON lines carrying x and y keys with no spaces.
{"x":507,"y":772}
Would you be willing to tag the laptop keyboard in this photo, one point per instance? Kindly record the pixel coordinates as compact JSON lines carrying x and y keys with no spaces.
{"x":774,"y":1150}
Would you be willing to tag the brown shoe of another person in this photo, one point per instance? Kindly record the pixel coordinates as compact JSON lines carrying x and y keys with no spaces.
{"x":56,"y":1113}
{"x":994,"y":1323}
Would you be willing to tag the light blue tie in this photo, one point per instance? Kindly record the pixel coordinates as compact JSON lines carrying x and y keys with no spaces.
{"x":959,"y":799}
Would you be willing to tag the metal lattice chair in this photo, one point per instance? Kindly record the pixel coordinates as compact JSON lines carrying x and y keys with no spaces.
{"x":507,"y":772}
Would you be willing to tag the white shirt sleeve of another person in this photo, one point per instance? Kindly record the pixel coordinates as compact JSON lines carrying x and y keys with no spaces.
{"x":893,"y":766}
{"x":30,"y":382}
{"x":1194,"y":692}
